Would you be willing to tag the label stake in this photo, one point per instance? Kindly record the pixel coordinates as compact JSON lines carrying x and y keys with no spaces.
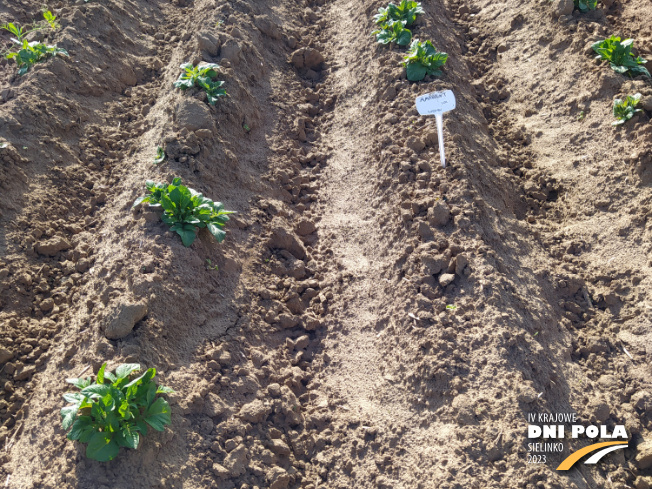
{"x":436,"y":103}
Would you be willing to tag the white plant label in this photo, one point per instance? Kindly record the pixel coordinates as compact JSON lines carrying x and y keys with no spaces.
{"x":436,"y":103}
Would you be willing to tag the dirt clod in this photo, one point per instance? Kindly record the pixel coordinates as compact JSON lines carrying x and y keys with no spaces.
{"x":305,"y":227}
{"x":207,"y":42}
{"x":644,"y":455}
{"x":120,"y":321}
{"x":193,"y":114}
{"x":445,"y":279}
{"x":439,"y":214}
{"x":562,"y":7}
{"x":5,"y":355}
{"x":282,"y":239}
{"x":52,"y":246}
{"x":254,"y":412}
{"x":308,"y":58}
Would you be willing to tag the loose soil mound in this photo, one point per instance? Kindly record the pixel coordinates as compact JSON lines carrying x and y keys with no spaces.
{"x":374,"y":320}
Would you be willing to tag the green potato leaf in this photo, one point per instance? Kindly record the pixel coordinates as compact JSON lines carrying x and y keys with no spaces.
{"x":416,"y":72}
{"x":586,"y":5}
{"x":110,"y":377}
{"x":74,"y":398}
{"x":218,"y":234}
{"x":100,"y":374}
{"x":80,"y":383}
{"x":187,"y":234}
{"x":96,"y":391}
{"x":160,"y":155}
{"x":127,"y":437}
{"x":158,"y":414}
{"x":126,"y":369}
{"x":102,"y":447}
{"x":82,"y":429}
{"x":68,"y":414}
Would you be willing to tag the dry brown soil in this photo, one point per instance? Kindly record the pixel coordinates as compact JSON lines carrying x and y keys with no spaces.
{"x":375,"y":321}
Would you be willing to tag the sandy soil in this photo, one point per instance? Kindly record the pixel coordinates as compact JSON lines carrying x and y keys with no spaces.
{"x":375,"y":321}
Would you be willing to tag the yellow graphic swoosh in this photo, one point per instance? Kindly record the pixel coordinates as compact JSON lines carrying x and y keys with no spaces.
{"x":575,"y":456}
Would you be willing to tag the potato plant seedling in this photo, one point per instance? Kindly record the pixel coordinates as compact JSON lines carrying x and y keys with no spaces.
{"x":393,"y":21}
{"x":160,"y":155}
{"x":115,"y":410}
{"x":406,"y":12}
{"x":26,"y":53}
{"x":202,"y":76}
{"x":620,"y":56}
{"x":586,"y":5}
{"x":393,"y":31}
{"x":186,"y":210}
{"x":625,"y":109}
{"x":423,"y":59}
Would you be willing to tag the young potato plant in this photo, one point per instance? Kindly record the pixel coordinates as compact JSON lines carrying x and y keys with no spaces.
{"x":115,"y":410}
{"x":620,"y":57}
{"x":586,"y":5}
{"x":26,"y":53}
{"x":31,"y":53}
{"x":51,"y":19}
{"x":160,"y":155}
{"x":186,"y":210}
{"x":202,"y":76}
{"x":393,"y":31}
{"x":406,"y":12}
{"x":624,"y":110}
{"x":423,"y":59}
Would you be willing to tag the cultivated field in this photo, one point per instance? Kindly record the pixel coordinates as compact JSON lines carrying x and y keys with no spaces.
{"x":371,"y":319}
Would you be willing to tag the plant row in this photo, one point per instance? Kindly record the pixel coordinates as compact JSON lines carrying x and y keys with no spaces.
{"x":422,"y":58}
{"x":119,"y":407}
{"x":621,"y":59}
{"x":185,"y":210}
{"x":27,"y":53}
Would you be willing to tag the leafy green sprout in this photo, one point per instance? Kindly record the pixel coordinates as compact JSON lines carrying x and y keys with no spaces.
{"x":451,"y":307}
{"x":406,"y":11}
{"x":51,"y":19}
{"x":246,"y":127}
{"x":210,"y":266}
{"x":186,"y":210}
{"x":202,"y":76}
{"x":21,"y":33}
{"x":586,"y":5}
{"x":26,"y":53}
{"x":620,"y":56}
{"x":423,"y":59}
{"x":393,"y":31}
{"x":581,"y":116}
{"x":160,"y":155}
{"x":625,"y":109}
{"x":115,"y":410}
